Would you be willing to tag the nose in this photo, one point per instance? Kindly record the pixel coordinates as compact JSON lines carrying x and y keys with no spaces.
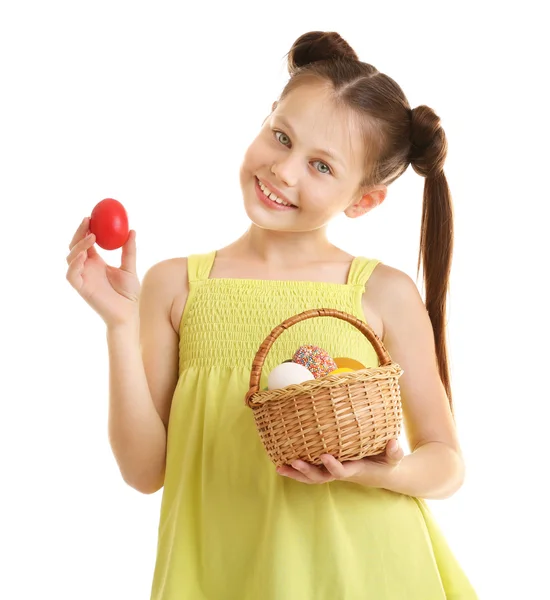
{"x":287,"y":170}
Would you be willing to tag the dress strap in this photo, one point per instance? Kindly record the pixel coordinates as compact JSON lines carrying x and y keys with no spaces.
{"x":361,"y":269}
{"x":200,"y":265}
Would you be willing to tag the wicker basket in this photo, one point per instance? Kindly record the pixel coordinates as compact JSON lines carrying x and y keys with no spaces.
{"x":349,"y":415}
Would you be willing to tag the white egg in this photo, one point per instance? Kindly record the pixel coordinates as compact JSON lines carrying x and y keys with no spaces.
{"x":286,"y":374}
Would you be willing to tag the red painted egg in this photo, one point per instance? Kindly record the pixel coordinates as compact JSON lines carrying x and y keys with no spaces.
{"x":109,"y":224}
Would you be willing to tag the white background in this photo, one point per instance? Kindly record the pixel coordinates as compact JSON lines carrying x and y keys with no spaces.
{"x":154,"y":104}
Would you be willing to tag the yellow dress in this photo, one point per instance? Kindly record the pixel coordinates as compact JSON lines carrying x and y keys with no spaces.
{"x":230,"y":527}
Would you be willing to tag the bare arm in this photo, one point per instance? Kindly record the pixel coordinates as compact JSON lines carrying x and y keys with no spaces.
{"x":432,"y":471}
{"x":143,"y":372}
{"x":435,"y":468}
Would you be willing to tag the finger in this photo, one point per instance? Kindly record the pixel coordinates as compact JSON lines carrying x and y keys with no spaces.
{"x":74,"y":272}
{"x":80,"y":232}
{"x":394,"y":452}
{"x":84,"y":244}
{"x":334,"y":466}
{"x":291,"y":473}
{"x":92,"y":252}
{"x":311,"y":472}
{"x":398,"y":456}
{"x":128,"y":258}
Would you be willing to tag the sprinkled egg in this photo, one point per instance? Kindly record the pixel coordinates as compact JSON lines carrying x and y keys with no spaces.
{"x":315,"y":359}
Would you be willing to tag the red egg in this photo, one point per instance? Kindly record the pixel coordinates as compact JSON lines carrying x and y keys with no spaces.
{"x":109,"y":224}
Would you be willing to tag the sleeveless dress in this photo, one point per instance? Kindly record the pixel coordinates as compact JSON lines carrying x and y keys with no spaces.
{"x":230,"y":527}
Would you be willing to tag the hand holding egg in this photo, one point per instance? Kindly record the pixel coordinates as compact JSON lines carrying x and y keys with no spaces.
{"x":113,"y":293}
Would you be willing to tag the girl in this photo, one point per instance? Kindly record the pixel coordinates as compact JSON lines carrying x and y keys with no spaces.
{"x":181,"y":346}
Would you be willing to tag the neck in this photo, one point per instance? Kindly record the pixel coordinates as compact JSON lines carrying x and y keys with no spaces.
{"x":284,"y":249}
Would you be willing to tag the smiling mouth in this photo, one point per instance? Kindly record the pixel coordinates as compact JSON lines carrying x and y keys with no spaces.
{"x":272,"y":196}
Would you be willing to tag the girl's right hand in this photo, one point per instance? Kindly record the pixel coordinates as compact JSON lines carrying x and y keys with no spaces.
{"x":112,"y":292}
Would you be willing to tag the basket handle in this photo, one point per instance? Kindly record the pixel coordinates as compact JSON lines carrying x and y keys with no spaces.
{"x":257,"y":365}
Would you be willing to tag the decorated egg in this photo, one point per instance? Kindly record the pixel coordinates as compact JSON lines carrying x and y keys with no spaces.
{"x":288,"y":373}
{"x":349,"y":363}
{"x":109,"y":224}
{"x":315,"y":359}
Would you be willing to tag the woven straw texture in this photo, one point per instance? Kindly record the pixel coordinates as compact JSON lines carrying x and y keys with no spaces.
{"x":349,"y":415}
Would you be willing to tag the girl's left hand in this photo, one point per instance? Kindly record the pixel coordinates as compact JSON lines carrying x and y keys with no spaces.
{"x":372,"y":471}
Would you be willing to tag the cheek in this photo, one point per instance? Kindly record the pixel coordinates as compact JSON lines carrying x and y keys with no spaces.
{"x":262,"y":150}
{"x":321,"y":195}
{"x":254,"y":161}
{"x":252,"y":157}
{"x":325,"y":205}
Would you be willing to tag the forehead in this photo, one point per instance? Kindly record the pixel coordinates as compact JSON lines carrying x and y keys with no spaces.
{"x":318,"y":122}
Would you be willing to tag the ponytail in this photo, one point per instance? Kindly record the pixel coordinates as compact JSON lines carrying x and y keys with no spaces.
{"x":428,"y":153}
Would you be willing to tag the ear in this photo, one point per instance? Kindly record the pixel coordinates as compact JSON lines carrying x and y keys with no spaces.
{"x":367,"y":201}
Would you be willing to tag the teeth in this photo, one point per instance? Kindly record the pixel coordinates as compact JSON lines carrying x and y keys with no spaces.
{"x":271,"y":195}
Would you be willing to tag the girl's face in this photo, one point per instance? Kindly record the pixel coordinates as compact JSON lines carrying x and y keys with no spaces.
{"x":292,"y":156}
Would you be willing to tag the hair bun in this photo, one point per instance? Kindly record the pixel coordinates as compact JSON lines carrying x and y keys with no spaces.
{"x":428,"y":142}
{"x":318,"y":45}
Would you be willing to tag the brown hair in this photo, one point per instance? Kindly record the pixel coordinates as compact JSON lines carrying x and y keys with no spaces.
{"x":395,"y":136}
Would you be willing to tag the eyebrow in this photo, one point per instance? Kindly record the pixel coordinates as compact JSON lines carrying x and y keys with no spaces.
{"x":330,"y":155}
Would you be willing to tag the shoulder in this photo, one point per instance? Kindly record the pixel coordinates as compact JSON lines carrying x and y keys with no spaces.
{"x":166,"y":284}
{"x":166,"y":275}
{"x":394,"y":296}
{"x":167,"y":266}
{"x":394,"y":286}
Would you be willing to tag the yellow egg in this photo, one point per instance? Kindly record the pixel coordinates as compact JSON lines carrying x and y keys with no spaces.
{"x":342,"y":370}
{"x":348,"y":363}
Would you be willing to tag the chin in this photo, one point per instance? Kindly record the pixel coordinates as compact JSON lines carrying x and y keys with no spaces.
{"x":257,"y":214}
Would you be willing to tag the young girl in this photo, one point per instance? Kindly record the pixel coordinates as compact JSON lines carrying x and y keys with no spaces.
{"x":181,"y":347}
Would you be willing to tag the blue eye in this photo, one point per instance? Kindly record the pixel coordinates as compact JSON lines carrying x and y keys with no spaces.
{"x":327,"y":172}
{"x":324,"y":165}
{"x":284,"y":134}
